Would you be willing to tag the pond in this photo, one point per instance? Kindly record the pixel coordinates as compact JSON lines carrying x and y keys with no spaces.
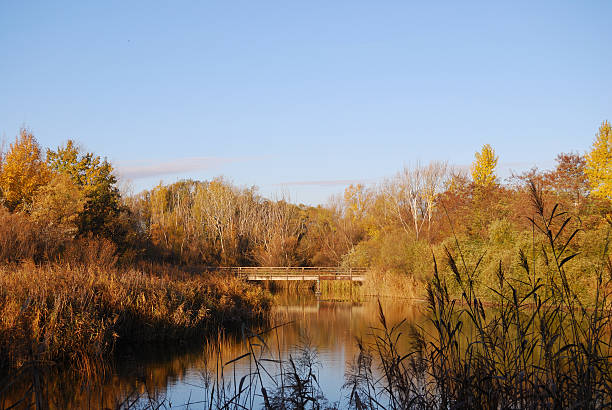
{"x":185,"y":374}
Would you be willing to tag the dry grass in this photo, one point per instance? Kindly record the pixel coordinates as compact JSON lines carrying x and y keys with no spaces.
{"x":62,"y":313}
{"x":391,"y":284}
{"x":22,"y":239}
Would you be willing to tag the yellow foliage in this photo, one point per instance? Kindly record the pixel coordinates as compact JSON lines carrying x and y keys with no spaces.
{"x":23,"y":172}
{"x":59,"y":204}
{"x":483,"y":168}
{"x":599,"y":163}
{"x":85,"y":169}
{"x":95,"y":177}
{"x":356,"y":198}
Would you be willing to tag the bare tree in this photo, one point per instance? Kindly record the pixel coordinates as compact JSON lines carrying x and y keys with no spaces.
{"x":435,"y":175}
{"x":412,"y":194}
{"x":278,"y":233}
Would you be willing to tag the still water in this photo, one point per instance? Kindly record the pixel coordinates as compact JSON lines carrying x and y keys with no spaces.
{"x":179,"y":374}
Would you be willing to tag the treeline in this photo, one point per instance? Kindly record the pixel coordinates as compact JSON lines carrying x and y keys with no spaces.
{"x":55,"y":203}
{"x":65,"y":196}
{"x":73,"y":288}
{"x":434,"y":209}
{"x":216,"y":223}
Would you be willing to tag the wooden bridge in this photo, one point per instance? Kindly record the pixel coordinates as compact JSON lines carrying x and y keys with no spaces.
{"x":279,"y":273}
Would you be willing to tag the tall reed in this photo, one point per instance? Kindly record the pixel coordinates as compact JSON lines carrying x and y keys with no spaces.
{"x":72,"y":314}
{"x":538,"y":346}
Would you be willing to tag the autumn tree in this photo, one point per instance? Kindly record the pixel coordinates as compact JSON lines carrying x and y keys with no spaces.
{"x":280,"y":232}
{"x":357,"y":199}
{"x":327,"y":240}
{"x":174,"y":223}
{"x":216,"y":203}
{"x":23,"y":171}
{"x":413,"y":193}
{"x":599,"y":163}
{"x":95,"y":176}
{"x":435,"y":175}
{"x":230,"y":219}
{"x":483,"y":168}
{"x":568,"y":178}
{"x":58,"y":205}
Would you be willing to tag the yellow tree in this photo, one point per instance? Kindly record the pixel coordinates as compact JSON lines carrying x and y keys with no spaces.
{"x":483,"y":168}
{"x":599,"y":163}
{"x":356,"y":199}
{"x":58,"y":204}
{"x":23,"y":172}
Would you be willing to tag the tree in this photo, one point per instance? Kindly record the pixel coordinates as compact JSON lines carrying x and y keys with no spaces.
{"x":86,"y":170}
{"x":22,"y":172}
{"x":483,"y":168}
{"x":58,"y":204}
{"x":599,"y":163}
{"x":280,"y":232}
{"x":216,"y":202}
{"x":356,"y":199}
{"x":413,"y":194}
{"x":435,"y":175}
{"x":95,"y":176}
{"x":569,"y":176}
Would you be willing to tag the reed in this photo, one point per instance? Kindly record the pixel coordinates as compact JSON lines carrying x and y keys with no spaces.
{"x":393,"y":284}
{"x":63,"y":313}
{"x":540,"y":346}
{"x":539,"y":343}
{"x":529,"y":342}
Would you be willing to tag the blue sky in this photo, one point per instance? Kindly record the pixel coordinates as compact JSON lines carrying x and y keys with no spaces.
{"x":302,"y":98}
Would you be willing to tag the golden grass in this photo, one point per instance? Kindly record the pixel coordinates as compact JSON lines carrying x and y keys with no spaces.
{"x":62,"y":313}
{"x":391,"y":284}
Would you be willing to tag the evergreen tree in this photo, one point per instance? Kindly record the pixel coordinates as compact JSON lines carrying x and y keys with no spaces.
{"x":95,"y":176}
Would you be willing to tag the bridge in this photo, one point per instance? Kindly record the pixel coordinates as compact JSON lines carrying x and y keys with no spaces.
{"x":280,"y":273}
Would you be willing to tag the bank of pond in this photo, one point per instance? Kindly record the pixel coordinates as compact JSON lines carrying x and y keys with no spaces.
{"x":327,"y":351}
{"x":90,"y":337}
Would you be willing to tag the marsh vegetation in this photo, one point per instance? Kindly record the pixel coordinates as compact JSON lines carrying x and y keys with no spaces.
{"x":515,"y":278}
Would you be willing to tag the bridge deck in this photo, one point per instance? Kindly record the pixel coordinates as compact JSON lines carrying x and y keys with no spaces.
{"x":279,"y":273}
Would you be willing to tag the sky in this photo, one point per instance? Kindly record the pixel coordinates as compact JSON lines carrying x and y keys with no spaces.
{"x":302,"y":98}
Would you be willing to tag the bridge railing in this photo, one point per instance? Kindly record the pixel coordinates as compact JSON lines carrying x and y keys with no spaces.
{"x":289,"y":270}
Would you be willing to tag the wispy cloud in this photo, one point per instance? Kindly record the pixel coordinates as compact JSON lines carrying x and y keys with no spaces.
{"x":333,"y":182}
{"x":147,"y":169}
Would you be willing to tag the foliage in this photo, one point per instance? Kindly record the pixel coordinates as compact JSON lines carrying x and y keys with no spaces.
{"x":22,"y":172}
{"x":59,"y":204}
{"x":483,"y":168}
{"x":599,"y":163}
{"x":391,"y":227}
{"x":540,"y":346}
{"x":216,"y":223}
{"x":96,"y":179}
{"x":64,"y":223}
{"x":22,"y":239}
{"x":569,"y":177}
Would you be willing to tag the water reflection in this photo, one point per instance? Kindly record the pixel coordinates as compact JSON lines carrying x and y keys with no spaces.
{"x":178,"y":375}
